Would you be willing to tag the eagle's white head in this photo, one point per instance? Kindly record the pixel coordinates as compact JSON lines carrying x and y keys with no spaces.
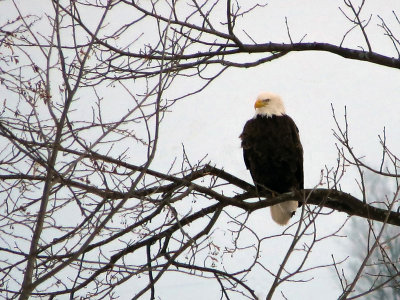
{"x":269,"y":104}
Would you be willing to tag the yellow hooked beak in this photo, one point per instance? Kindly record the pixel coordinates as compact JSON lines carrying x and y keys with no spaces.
{"x":259,"y":103}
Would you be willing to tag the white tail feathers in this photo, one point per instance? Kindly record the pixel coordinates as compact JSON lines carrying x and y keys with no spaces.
{"x":282,"y":212}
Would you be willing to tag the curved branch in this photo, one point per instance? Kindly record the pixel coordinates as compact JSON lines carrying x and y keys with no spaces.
{"x":333,"y":199}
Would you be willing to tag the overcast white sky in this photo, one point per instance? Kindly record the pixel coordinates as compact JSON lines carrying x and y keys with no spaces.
{"x":210,"y":122}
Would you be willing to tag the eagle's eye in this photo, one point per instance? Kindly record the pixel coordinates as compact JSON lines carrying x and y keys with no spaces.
{"x":266,"y":100}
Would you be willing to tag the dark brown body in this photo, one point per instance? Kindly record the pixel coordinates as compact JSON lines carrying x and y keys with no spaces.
{"x":273,"y":153}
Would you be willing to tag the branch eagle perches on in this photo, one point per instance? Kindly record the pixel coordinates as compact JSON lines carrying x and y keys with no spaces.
{"x":330,"y":198}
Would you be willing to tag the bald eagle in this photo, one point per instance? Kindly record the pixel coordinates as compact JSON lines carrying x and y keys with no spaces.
{"x":273,"y":153}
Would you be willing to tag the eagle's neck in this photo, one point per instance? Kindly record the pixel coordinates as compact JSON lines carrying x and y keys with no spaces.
{"x":268,"y":114}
